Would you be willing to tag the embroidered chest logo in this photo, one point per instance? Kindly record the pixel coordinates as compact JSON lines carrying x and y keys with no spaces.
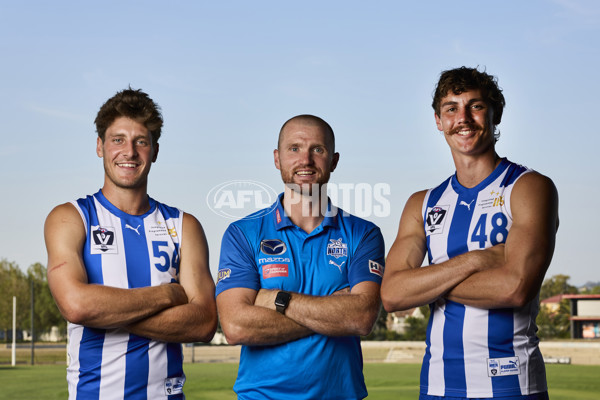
{"x":435,"y":219}
{"x":337,"y":249}
{"x":468,"y":205}
{"x":103,"y":240}
{"x":496,"y":199}
{"x":272,"y":247}
{"x":331,"y":262}
{"x":133,"y":229}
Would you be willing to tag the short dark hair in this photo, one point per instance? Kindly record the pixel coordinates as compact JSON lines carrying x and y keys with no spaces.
{"x":311,"y":120}
{"x":462,"y":79}
{"x":133,"y":104}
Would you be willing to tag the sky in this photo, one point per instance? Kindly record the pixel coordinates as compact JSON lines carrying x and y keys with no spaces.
{"x":227,"y":75}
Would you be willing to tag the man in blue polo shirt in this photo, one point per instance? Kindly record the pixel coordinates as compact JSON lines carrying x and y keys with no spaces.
{"x":299,"y":281}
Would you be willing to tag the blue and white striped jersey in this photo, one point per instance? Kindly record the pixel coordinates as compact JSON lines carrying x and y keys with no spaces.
{"x":473,"y":352}
{"x":126,"y":251}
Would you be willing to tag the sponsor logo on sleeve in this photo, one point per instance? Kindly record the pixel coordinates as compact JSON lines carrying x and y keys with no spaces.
{"x":435,"y":219}
{"x":103,"y":240}
{"x":503,"y":366}
{"x":375,"y":268}
{"x":272,"y":247}
{"x":223,"y":274}
{"x":275,"y":271}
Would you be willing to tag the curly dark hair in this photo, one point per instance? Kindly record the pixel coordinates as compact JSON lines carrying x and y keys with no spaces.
{"x":462,"y":79}
{"x":133,"y":104}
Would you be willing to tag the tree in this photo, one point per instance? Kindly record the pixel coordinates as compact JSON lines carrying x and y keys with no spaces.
{"x":13,"y":283}
{"x":558,"y":284}
{"x":416,"y":328}
{"x":554,"y":324}
{"x":46,"y":313}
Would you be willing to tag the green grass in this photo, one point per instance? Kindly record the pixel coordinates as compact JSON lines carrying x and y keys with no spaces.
{"x":214,"y":381}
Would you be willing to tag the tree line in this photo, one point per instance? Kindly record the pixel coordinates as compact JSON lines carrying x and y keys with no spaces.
{"x":553,"y":324}
{"x":15,"y":282}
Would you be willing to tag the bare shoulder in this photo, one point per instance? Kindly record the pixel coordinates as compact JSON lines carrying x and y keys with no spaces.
{"x":64,"y":216}
{"x":414,"y":205}
{"x":534,"y":185}
{"x":535,"y":194}
{"x":192,"y":227}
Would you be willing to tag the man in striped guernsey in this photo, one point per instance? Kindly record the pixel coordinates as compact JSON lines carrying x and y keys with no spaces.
{"x":130,"y":274}
{"x":489,"y":233}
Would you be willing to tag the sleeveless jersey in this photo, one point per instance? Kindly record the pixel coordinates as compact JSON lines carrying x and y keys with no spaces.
{"x":126,"y":251}
{"x":474,"y":352}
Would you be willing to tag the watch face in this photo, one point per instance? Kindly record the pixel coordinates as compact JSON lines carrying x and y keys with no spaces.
{"x":282,"y":299}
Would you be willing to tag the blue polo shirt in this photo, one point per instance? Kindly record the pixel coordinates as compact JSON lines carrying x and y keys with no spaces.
{"x":266,"y":250}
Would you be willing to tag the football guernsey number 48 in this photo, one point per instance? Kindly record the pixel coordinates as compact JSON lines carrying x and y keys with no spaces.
{"x":498,"y":233}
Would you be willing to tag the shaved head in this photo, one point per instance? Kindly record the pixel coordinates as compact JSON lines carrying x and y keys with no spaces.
{"x":310,"y":120}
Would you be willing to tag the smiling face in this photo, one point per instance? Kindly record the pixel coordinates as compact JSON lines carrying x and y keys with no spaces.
{"x":128,"y":154}
{"x":305,"y":156}
{"x":467,"y":123}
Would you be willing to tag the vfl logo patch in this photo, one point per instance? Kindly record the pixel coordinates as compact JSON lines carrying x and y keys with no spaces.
{"x":503,"y":366}
{"x":273,"y":247}
{"x":103,"y":240}
{"x":337,"y":249}
{"x":274,"y":271}
{"x":435,"y":219}
{"x":375,"y":268}
{"x":223,"y":274}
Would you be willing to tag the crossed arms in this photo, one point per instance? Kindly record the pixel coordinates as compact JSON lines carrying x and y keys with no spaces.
{"x":506,"y":275}
{"x":183,"y":312}
{"x":248,"y":316}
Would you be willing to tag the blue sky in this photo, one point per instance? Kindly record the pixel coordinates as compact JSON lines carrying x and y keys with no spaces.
{"x":228,"y":74}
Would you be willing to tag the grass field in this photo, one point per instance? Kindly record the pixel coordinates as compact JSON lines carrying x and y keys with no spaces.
{"x":214,"y":382}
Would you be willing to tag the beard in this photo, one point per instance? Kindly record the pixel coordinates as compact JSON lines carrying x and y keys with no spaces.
{"x":305,"y":189}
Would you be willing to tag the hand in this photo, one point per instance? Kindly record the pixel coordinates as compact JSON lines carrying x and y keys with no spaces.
{"x":492,"y":257}
{"x":342,"y":291}
{"x":176,"y":294}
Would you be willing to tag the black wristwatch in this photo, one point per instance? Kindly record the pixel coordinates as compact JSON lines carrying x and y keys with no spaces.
{"x":282,"y":300}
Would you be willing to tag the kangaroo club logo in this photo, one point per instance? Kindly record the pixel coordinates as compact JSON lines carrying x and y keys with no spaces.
{"x":272,"y":247}
{"x":337,"y":249}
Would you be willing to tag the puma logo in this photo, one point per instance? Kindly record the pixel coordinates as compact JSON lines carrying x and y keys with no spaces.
{"x":337,"y":265}
{"x":132,"y":228}
{"x":464,"y":203}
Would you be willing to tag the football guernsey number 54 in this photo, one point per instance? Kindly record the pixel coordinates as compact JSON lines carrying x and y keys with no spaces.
{"x":164,"y":257}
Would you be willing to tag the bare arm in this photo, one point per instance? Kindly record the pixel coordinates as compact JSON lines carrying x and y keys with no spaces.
{"x":88,"y":304}
{"x":248,"y":324}
{"x":195,"y":321}
{"x":529,"y":249}
{"x":405,"y":284}
{"x":344,"y":313}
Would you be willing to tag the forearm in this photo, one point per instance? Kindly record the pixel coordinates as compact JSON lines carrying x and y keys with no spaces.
{"x":100,"y":306}
{"x":186,"y":323}
{"x":341,"y":314}
{"x":486,"y":289}
{"x":256,"y":326}
{"x":414,"y":287}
